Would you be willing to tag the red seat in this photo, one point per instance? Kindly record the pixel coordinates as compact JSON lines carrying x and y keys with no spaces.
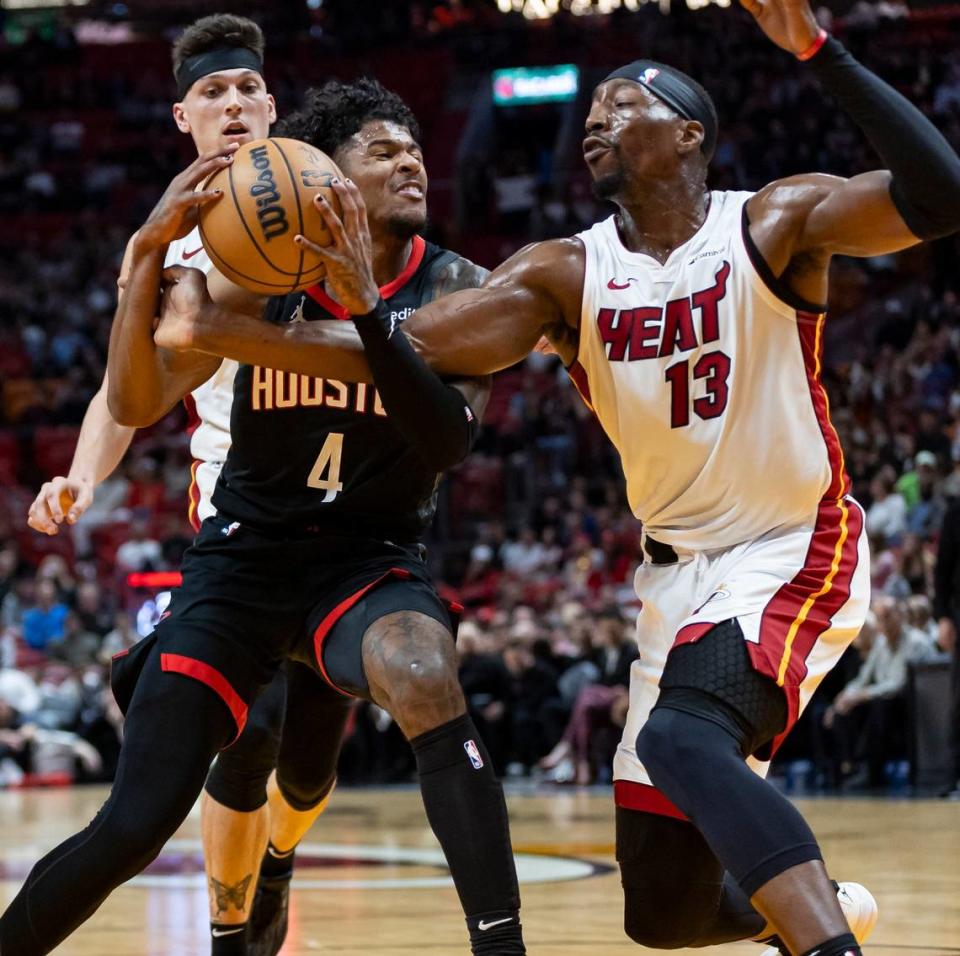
{"x":35,"y":546}
{"x":53,"y":447}
{"x":9,"y":458}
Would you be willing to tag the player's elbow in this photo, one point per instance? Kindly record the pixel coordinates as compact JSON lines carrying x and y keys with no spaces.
{"x":931,"y":213}
{"x":125,"y":409}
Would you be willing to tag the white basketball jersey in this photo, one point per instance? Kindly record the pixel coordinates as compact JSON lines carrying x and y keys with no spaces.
{"x":708,"y":384}
{"x":209,"y":405}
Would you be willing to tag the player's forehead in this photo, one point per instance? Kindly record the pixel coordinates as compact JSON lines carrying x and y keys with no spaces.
{"x":235,"y":76}
{"x":384,"y":132}
{"x":609,"y":89}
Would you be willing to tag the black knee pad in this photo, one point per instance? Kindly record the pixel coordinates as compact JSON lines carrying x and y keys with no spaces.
{"x":719,"y":665}
{"x":238,"y":777}
{"x":671,"y":880}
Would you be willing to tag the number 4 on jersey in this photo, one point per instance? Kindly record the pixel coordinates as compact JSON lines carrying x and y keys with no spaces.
{"x":325,"y":473}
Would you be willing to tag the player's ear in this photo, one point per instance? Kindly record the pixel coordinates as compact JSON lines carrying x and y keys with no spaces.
{"x":690,"y":135}
{"x":180,"y":118}
{"x":272,"y":115}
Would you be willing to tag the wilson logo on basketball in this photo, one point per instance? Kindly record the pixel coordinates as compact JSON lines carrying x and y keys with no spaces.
{"x":270,"y":212}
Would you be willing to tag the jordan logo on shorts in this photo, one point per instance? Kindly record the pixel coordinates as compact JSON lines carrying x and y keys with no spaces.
{"x":473,"y":752}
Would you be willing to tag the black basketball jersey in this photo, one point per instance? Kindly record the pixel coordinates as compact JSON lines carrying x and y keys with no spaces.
{"x":319,"y":454}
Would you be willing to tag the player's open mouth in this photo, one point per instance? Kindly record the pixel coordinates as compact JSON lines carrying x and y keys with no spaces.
{"x":594,"y":147}
{"x":235,"y":129}
{"x":410,"y":189}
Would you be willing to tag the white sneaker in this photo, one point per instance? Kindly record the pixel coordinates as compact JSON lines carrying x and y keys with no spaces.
{"x":860,"y":909}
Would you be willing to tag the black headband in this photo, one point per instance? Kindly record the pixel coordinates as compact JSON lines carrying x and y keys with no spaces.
{"x":678,"y":91}
{"x":221,"y":58}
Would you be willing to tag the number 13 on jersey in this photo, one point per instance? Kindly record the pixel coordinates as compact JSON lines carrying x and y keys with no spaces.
{"x":714,"y":370}
{"x":325,"y":474}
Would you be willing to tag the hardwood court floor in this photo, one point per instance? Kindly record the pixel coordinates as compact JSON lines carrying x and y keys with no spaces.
{"x":366,"y":883}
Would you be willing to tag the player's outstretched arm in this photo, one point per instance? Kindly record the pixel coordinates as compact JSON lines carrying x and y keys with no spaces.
{"x":100,"y":447}
{"x":916,"y":197}
{"x":473,"y":332}
{"x":146,"y":382}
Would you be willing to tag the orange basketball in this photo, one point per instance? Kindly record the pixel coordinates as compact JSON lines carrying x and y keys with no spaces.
{"x":268,"y":193}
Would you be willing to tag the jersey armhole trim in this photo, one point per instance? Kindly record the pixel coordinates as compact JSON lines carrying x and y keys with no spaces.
{"x":778,"y":287}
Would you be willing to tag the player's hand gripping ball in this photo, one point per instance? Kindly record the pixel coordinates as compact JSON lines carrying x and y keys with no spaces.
{"x":268,"y":193}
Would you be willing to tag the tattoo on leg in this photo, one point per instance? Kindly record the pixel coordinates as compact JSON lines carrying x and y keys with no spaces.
{"x":231,"y":894}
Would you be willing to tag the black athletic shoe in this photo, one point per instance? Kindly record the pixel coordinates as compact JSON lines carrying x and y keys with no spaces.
{"x":268,"y":917}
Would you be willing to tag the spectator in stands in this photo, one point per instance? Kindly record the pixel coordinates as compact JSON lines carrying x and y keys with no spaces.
{"x":79,"y":646}
{"x":43,"y":624}
{"x":54,"y":568}
{"x":887,"y":516}
{"x":613,"y":653}
{"x":19,"y":690}
{"x":523,"y":555}
{"x":140,"y":552}
{"x":14,"y":746}
{"x":869,"y":716}
{"x":93,"y":611}
{"x":925,"y":511}
{"x":533,"y":691}
{"x":121,"y":638}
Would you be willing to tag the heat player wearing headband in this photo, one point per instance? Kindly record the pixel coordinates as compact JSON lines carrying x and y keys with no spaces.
{"x":692,"y":322}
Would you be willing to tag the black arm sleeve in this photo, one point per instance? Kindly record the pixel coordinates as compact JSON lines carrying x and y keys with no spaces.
{"x":925,"y":169}
{"x":433,"y":416}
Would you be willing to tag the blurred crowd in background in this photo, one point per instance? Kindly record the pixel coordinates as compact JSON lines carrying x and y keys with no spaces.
{"x":533,"y":534}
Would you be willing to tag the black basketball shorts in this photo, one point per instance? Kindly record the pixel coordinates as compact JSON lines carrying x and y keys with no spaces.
{"x":250,"y":600}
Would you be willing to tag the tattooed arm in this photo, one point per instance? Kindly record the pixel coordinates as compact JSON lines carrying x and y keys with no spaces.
{"x":439,"y":419}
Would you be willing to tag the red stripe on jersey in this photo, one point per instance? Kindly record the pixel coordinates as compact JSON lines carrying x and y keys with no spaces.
{"x":802,"y":609}
{"x":193,"y":416}
{"x":193,"y":498}
{"x":641,"y":796}
{"x":417,"y":249}
{"x":578,"y":375}
{"x":327,"y":624}
{"x":209,"y":675}
{"x":810,"y":330}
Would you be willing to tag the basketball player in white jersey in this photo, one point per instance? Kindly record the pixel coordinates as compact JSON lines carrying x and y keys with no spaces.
{"x":222,"y":103}
{"x":692,"y":323}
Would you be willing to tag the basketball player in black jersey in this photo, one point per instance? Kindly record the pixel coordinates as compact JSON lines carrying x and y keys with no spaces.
{"x":324,"y":496}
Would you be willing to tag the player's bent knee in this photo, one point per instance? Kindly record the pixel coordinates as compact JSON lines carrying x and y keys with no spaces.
{"x":660,"y":749}
{"x":415,"y":679}
{"x":657,"y":926}
{"x":301,"y":792}
{"x":238,"y":777}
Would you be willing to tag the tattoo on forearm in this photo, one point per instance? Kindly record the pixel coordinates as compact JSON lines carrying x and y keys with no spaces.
{"x":231,"y":894}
